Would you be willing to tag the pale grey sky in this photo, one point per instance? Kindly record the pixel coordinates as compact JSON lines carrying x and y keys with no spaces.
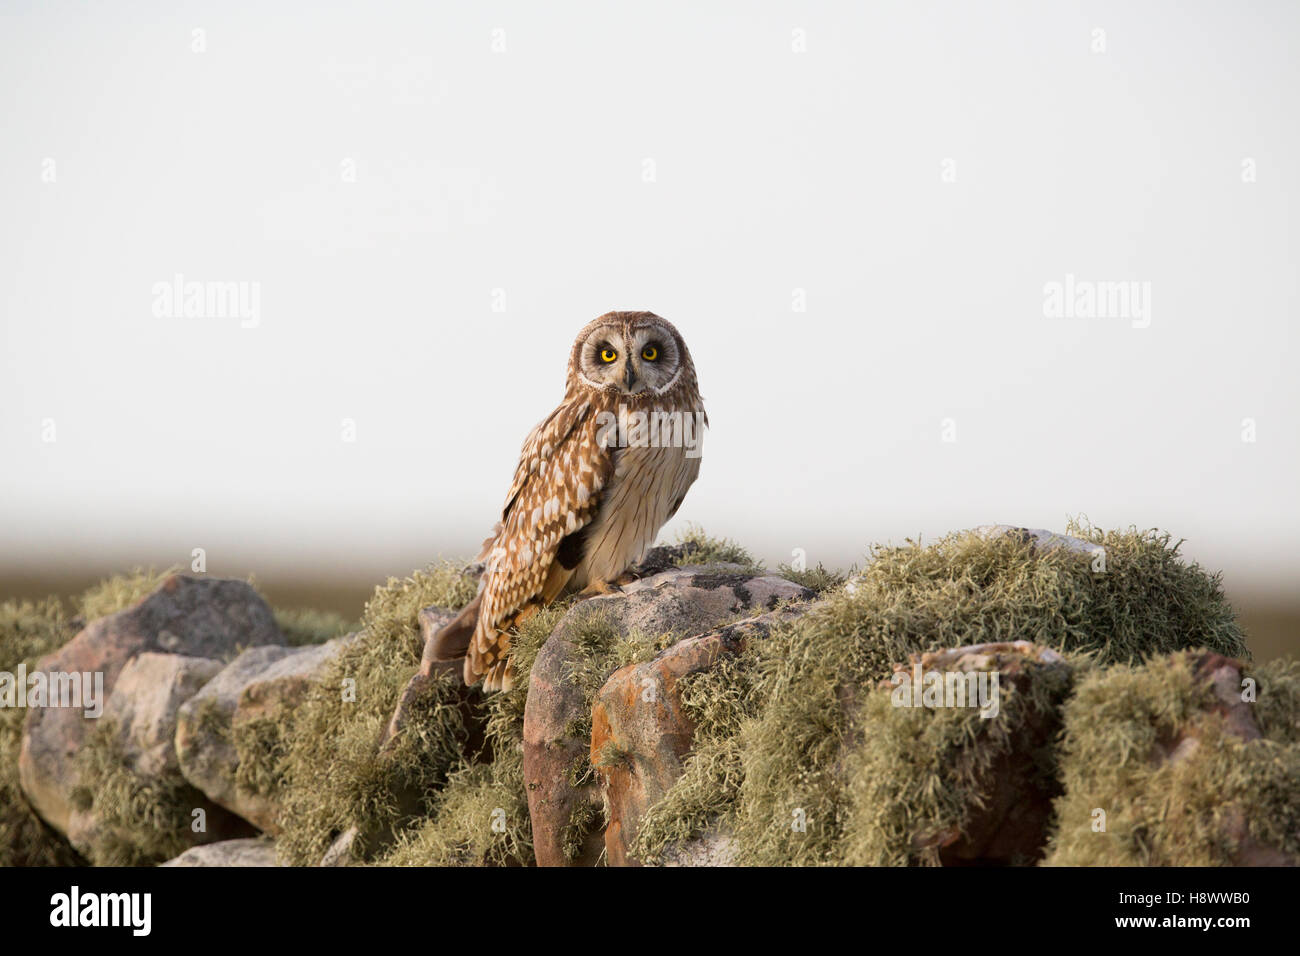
{"x":389,"y":176}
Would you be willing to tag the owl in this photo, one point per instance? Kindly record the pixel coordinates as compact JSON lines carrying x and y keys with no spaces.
{"x":597,"y":478}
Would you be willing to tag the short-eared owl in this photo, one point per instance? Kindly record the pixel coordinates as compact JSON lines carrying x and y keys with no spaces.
{"x":597,"y":478}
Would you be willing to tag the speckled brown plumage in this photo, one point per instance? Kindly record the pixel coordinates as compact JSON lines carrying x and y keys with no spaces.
{"x":582,"y":509}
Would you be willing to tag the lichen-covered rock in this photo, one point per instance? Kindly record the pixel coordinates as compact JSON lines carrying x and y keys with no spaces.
{"x":706,"y":715}
{"x":336,"y":774}
{"x":246,"y":852}
{"x":1190,"y":759}
{"x":247,"y":704}
{"x":28,"y":630}
{"x":1041,"y":539}
{"x":140,"y":716}
{"x":640,"y":732}
{"x":563,"y":795}
{"x":342,"y":850}
{"x":952,"y":760}
{"x":146,"y":701}
{"x":769,"y":764}
{"x":716,"y":846}
{"x":195,"y":617}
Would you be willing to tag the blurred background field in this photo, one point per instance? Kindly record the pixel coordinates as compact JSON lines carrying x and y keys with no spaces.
{"x":1272,"y":621}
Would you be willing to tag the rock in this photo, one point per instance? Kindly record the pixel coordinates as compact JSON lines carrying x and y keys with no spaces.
{"x":195,"y":617}
{"x":1172,"y":762}
{"x":1009,"y":820}
{"x":249,"y":852}
{"x":145,"y":701}
{"x":261,"y":683}
{"x":142,"y":712}
{"x":1223,"y":677}
{"x":638,"y":715}
{"x":686,"y":601}
{"x":341,"y":851}
{"x":714,"y":847}
{"x":1043,"y":540}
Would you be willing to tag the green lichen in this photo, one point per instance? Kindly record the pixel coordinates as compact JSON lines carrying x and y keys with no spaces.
{"x":1120,"y":729}
{"x":480,"y":817}
{"x":819,"y":579}
{"x":913,"y":772}
{"x":263,"y":753}
{"x":28,"y":631}
{"x":333,"y":776}
{"x":304,"y":626}
{"x":718,"y":701}
{"x":780,"y":748}
{"x":698,"y":548}
{"x":119,"y":592}
{"x":140,"y":819}
{"x":791,"y":723}
{"x":584,"y":820}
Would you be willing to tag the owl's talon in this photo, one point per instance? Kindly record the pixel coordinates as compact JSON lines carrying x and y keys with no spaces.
{"x":598,"y":588}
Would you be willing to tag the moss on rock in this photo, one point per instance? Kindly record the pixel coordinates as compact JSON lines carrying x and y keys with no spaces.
{"x":480,"y":817}
{"x":918,"y":777}
{"x":333,"y":776}
{"x":792,"y":723}
{"x":28,"y":631}
{"x":779,"y":748}
{"x":819,"y":579}
{"x":1198,"y":804}
{"x":718,"y":701}
{"x":119,"y":592}
{"x":303,"y":626}
{"x":699,"y":548}
{"x":140,"y":820}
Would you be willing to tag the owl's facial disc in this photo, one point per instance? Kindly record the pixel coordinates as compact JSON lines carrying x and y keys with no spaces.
{"x":633,"y":362}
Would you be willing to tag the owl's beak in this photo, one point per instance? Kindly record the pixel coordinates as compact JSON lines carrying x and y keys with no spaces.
{"x":629,"y":375}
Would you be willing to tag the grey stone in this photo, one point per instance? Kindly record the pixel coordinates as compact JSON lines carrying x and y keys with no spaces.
{"x":194,"y":617}
{"x":261,"y":682}
{"x":249,"y":852}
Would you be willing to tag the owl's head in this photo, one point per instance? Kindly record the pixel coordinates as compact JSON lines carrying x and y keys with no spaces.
{"x":631,"y":353}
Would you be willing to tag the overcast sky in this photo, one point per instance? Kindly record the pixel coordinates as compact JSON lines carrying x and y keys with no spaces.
{"x":854,"y":213}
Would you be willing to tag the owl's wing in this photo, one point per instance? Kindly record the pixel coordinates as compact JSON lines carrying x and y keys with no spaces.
{"x":563,"y":469}
{"x":551,"y":431}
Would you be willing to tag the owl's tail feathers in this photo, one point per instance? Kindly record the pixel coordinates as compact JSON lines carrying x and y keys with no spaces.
{"x":451,"y":642}
{"x":489,"y":658}
{"x":500,"y":676}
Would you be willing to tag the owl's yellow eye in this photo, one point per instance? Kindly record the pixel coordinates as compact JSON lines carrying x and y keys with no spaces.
{"x":649,"y":353}
{"x":608,"y":355}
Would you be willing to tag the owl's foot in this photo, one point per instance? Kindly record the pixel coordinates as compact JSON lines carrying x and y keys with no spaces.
{"x":597,"y":588}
